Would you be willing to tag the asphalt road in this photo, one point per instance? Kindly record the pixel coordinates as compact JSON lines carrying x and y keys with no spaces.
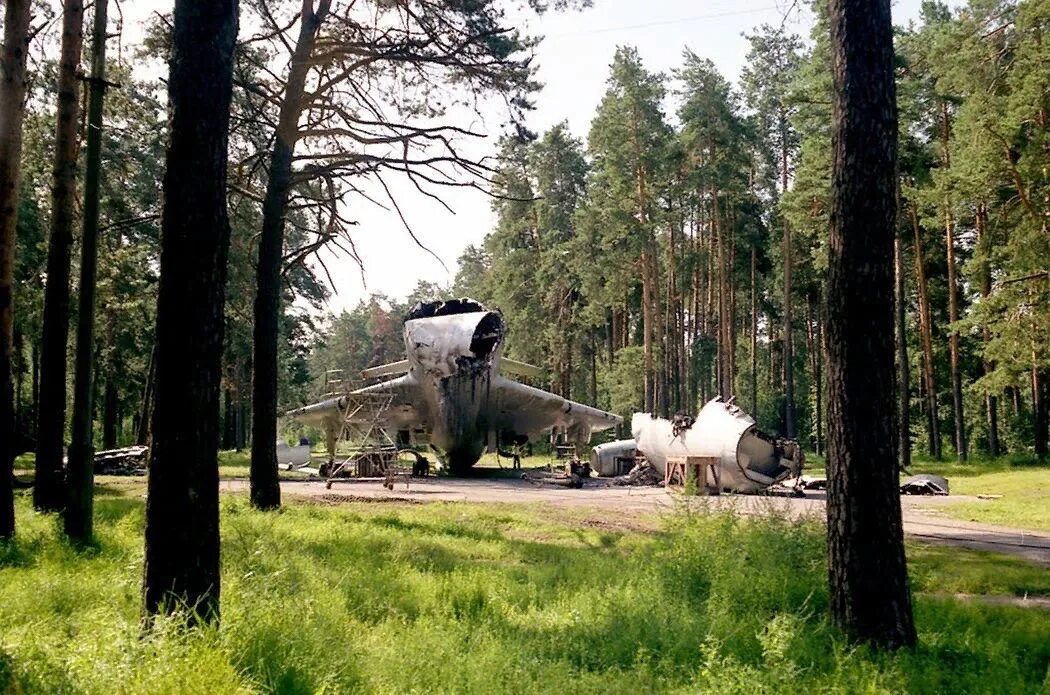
{"x":923,"y":517}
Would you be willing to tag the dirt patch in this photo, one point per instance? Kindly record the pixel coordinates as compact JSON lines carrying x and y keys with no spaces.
{"x":620,"y":525}
{"x":333,"y":500}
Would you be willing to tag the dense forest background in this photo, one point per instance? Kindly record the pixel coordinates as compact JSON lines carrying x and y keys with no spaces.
{"x":677,"y":254}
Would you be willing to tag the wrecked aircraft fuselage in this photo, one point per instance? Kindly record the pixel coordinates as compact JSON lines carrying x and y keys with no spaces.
{"x":750,"y":460}
{"x":452,"y":389}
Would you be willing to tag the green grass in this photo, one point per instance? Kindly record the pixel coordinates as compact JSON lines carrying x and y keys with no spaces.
{"x":1023,"y":486}
{"x":401,"y":598}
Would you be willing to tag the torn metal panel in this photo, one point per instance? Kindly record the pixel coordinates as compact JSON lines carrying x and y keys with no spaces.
{"x":751,"y":460}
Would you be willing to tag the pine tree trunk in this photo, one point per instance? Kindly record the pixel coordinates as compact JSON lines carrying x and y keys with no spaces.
{"x":953,"y":298}
{"x":110,"y":415}
{"x":991,"y":402}
{"x":142,"y":434}
{"x":265,"y":485}
{"x":953,"y":337}
{"x":80,"y":472}
{"x":821,"y":350}
{"x":754,"y":331}
{"x":926,"y":331}
{"x":594,"y":369}
{"x":49,"y":485}
{"x":811,"y":352}
{"x":182,"y":506}
{"x":903,"y":379}
{"x":789,"y":350}
{"x":18,"y":368}
{"x":228,"y":420}
{"x":1041,"y":408}
{"x":12,"y":95}
{"x":866,"y":564}
{"x":34,"y":359}
{"x":648,"y":405}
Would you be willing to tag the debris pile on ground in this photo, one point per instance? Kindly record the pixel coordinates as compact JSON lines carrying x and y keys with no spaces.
{"x":805,"y":482}
{"x":925,"y":484}
{"x":643,"y":473}
{"x":127,"y":461}
{"x":573,"y":476}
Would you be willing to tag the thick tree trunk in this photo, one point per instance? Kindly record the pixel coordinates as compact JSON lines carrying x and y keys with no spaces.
{"x":12,"y":112}
{"x":926,"y":335}
{"x":80,"y":473}
{"x":182,"y":506}
{"x":265,"y":486}
{"x":49,"y":486}
{"x":866,"y":565}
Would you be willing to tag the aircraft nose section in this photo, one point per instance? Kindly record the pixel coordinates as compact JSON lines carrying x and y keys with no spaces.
{"x":488,"y":334}
{"x":444,"y":345}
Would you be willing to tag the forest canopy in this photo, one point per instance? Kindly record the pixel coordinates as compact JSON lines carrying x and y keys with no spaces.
{"x":676,"y":252}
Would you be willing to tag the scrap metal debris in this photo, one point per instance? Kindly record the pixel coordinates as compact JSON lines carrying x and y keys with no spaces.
{"x":642,"y":474}
{"x":925,"y":484}
{"x":574,"y":475}
{"x":127,"y":461}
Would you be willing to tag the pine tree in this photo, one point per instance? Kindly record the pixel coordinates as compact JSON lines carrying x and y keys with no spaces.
{"x":866,"y":564}
{"x":182,"y":504}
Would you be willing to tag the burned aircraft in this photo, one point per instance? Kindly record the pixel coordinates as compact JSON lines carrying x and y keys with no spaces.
{"x":749,"y":459}
{"x":451,"y":390}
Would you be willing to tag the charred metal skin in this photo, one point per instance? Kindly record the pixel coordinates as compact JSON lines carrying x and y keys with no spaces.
{"x":751,"y":460}
{"x":453,"y":388}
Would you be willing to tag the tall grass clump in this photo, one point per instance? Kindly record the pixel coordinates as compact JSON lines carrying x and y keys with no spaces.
{"x":465,"y":598}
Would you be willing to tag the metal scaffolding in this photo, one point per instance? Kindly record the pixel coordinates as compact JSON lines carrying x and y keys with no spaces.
{"x":369,"y":450}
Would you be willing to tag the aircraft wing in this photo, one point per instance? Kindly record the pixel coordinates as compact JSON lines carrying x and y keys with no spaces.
{"x":527,"y":410}
{"x":402,"y":411}
{"x":405,"y":409}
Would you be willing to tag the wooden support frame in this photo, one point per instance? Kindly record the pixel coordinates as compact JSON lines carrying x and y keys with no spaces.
{"x":703,"y":471}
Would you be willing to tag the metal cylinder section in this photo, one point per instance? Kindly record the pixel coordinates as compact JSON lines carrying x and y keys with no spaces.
{"x":750,"y":459}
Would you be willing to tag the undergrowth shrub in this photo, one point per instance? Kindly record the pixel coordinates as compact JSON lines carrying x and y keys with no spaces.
{"x":457,"y":598}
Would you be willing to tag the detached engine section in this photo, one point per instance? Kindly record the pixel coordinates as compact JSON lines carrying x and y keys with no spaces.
{"x":751,"y":460}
